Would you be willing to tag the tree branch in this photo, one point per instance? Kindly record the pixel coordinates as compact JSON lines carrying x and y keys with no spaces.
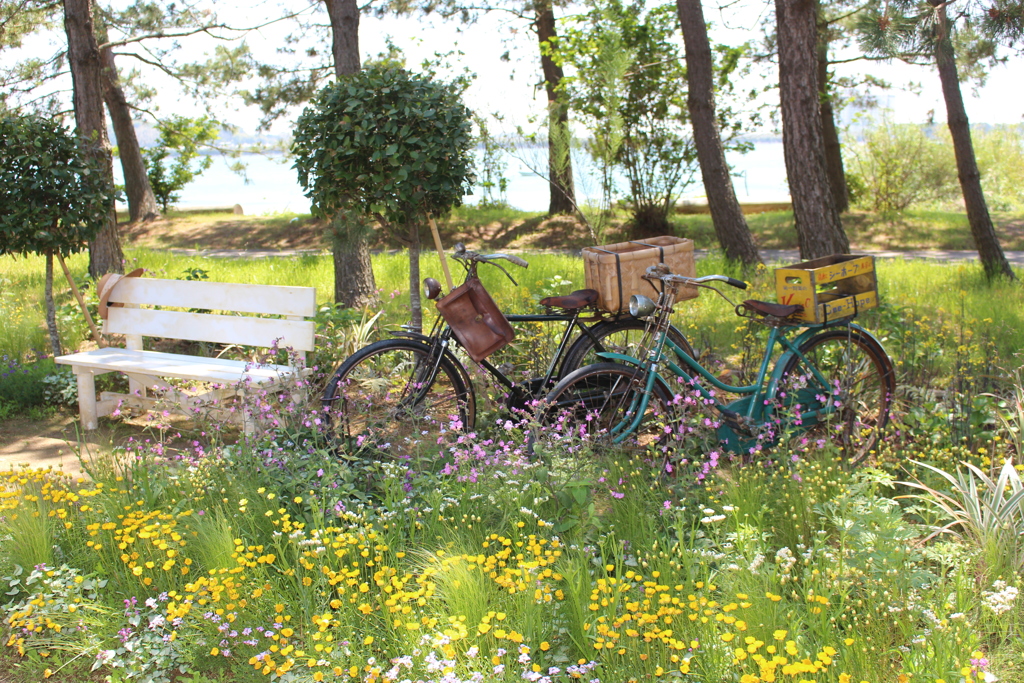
{"x":207,"y":30}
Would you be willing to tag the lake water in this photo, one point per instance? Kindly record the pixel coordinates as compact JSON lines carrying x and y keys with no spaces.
{"x":271,"y":186}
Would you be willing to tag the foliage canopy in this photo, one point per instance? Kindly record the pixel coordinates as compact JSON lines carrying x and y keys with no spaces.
{"x":629,"y":85}
{"x":52,"y":197}
{"x":387,"y":143}
{"x":183,"y":136}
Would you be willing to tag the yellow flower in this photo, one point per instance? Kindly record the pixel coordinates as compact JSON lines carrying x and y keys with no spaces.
{"x":214,"y":652}
{"x":368,"y":640}
{"x":545,"y":646}
{"x":780,"y":634}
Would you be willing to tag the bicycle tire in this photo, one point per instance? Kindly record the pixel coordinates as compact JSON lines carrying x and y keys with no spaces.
{"x":859,"y":372}
{"x":620,"y":336}
{"x":583,"y":408}
{"x":367,"y":401}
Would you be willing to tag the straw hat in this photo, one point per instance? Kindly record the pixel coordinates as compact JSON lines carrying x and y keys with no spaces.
{"x":106,"y":287}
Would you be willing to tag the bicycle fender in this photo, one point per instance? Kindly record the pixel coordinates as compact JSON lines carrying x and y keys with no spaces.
{"x":855,"y":327}
{"x":620,"y":357}
{"x":406,"y":334}
{"x":871,"y":337}
{"x":780,"y":364}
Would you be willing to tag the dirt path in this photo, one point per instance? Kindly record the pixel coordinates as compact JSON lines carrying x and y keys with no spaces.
{"x":51,"y":442}
{"x":58,"y":441}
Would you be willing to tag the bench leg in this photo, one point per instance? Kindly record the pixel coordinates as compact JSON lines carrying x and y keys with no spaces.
{"x":87,"y":398}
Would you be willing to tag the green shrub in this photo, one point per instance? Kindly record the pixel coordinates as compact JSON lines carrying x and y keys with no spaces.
{"x":22,"y":385}
{"x":899,"y":165}
{"x":1000,"y":152}
{"x":61,"y":388}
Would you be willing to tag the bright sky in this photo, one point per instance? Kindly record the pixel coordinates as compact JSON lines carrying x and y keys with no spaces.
{"x":509,"y":87}
{"x":1001,"y":100}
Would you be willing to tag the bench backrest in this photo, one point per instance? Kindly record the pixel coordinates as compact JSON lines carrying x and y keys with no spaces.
{"x":292,"y":303}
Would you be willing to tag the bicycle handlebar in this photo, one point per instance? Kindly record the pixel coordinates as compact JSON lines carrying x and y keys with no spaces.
{"x":463,"y":254}
{"x":659,"y":272}
{"x":471,"y":258}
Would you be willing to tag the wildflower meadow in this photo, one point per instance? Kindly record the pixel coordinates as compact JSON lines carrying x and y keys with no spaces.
{"x":195,"y":553}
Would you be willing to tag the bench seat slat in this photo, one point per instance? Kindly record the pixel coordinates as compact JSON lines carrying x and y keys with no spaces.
{"x":217,"y":296}
{"x":172,"y":365}
{"x":225,"y":329}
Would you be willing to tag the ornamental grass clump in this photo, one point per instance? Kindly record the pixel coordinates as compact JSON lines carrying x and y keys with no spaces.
{"x":987,"y":513}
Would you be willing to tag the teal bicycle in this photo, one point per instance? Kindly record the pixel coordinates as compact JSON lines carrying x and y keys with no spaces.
{"x":833,"y":378}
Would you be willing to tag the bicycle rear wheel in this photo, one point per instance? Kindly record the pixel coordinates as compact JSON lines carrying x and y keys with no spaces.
{"x":857,"y":400}
{"x":588,"y":410}
{"x":395,"y":397}
{"x":618,"y":336}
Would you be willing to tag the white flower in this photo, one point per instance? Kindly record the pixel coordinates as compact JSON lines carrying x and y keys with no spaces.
{"x":758,"y":559}
{"x":1001,"y":598}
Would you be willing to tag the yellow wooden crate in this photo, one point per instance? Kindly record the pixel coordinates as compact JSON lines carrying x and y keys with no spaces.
{"x":830,"y":287}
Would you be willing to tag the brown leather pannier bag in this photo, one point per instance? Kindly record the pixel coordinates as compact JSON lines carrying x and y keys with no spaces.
{"x":475,"y":319}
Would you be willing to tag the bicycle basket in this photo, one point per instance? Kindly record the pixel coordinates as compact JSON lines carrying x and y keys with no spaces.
{"x":475,"y":319}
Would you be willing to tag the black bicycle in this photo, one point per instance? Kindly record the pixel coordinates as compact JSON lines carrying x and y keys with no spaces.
{"x":404,"y":392}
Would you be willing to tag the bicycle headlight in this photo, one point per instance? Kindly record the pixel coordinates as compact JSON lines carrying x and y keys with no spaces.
{"x":431,"y":287}
{"x":640,"y":306}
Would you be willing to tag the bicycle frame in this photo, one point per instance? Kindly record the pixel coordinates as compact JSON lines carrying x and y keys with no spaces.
{"x":750,"y":411}
{"x":441,"y":336}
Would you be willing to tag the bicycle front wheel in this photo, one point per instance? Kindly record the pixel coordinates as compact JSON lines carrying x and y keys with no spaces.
{"x":594,"y":408}
{"x":855,"y":403}
{"x":619,"y":336}
{"x":396,"y":396}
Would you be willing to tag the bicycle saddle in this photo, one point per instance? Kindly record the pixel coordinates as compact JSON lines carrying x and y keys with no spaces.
{"x":571,"y":302}
{"x":774,"y":310}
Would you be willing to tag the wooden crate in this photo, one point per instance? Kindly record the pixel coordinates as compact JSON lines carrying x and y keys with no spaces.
{"x":616,"y":270}
{"x":830,"y":287}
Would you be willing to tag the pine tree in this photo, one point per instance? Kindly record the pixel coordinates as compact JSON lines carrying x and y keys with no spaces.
{"x":912,"y":30}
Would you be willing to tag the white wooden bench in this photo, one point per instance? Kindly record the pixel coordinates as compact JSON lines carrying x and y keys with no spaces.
{"x":139,"y":307}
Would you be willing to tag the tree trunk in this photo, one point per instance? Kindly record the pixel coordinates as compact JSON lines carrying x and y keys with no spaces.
{"x":984,"y":233}
{"x":105,"y":255}
{"x":819,"y":230}
{"x":730,"y":225}
{"x":142,"y":204}
{"x":833,"y":149}
{"x":560,"y":182}
{"x":51,"y":308}
{"x":415,"y":301}
{"x":344,"y":16}
{"x":354,"y":285}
